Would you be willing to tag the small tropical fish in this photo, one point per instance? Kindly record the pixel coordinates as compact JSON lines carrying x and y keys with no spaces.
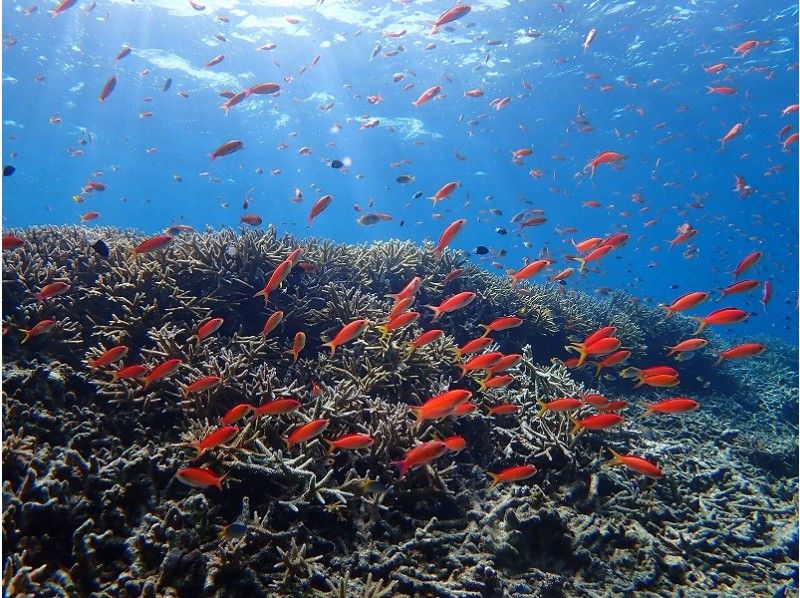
{"x":506,"y":362}
{"x":512,"y":474}
{"x":420,"y":456}
{"x":529,"y":270}
{"x":427,"y":95}
{"x":109,"y":357}
{"x":297,"y":345}
{"x":251,"y":219}
{"x":350,"y":442}
{"x":741,"y":352}
{"x":600,"y":347}
{"x":128,"y":373}
{"x":685,"y":302}
{"x":449,"y":16}
{"x":277,"y":407}
{"x":201,"y":384}
{"x":322,"y":203}
{"x":690,"y":344}
{"x":12,"y":242}
{"x":152,"y":244}
{"x":271,"y":323}
{"x":51,"y":290}
{"x":636,"y":464}
{"x":455,"y":444}
{"x":669,"y":406}
{"x":441,"y":405}
{"x":200,"y":477}
{"x":721,"y":317}
{"x":493,"y":381}
{"x":480,"y":362}
{"x":473,"y":346}
{"x":216,"y":438}
{"x":107,"y":89}
{"x":449,"y":234}
{"x":398,"y":322}
{"x":89,"y":216}
{"x":348,"y":333}
{"x":275,"y":280}
{"x":227,"y":148}
{"x":234,"y":530}
{"x":615,"y":358}
{"x":444,"y":192}
{"x":162,"y":370}
{"x":503,"y":409}
{"x":236,"y":413}
{"x":605,"y":157}
{"x":502,"y":323}
{"x":658,"y":381}
{"x":452,"y":303}
{"x":741,"y":286}
{"x":559,"y":405}
{"x":306,"y":432}
{"x":41,"y":327}
{"x":602,"y":421}
{"x":214,"y":61}
{"x":747,"y":262}
{"x":207,"y":328}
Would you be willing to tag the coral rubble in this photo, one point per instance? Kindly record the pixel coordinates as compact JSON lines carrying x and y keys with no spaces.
{"x":91,"y":504}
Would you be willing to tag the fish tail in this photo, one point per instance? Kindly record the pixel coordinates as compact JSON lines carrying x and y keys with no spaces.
{"x":617,"y":460}
{"x":288,"y":443}
{"x":719,"y":360}
{"x":583,"y":355}
{"x":671,"y":350}
{"x":495,"y":479}
{"x":93,"y":364}
{"x":486,"y":330}
{"x":701,"y":326}
{"x":384,"y":330}
{"x":219,"y":482}
{"x":542,"y":408}
{"x":582,"y":262}
{"x":599,"y":367}
{"x":331,"y":345}
{"x":666,"y":309}
{"x":185,"y":391}
{"x":639,"y":383}
{"x":576,"y":426}
{"x":26,"y":335}
{"x":436,"y":312}
{"x":710,"y":90}
{"x":402,"y":467}
{"x":482,"y":383}
{"x":331,"y":446}
{"x":648,"y":411}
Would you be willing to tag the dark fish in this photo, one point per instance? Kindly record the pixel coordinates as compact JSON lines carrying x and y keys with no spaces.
{"x":336,"y":163}
{"x":167,"y":85}
{"x":8,"y":170}
{"x":481,"y":250}
{"x":417,"y":195}
{"x":500,"y":230}
{"x":405,"y":178}
{"x":234,"y":530}
{"x":100,"y":247}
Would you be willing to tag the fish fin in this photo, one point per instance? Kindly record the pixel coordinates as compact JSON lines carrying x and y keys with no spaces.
{"x":617,"y":460}
{"x":384,"y":330}
{"x":26,"y":335}
{"x":436,"y":312}
{"x":482,"y":383}
{"x":329,"y":344}
{"x":582,"y":262}
{"x":486,"y":330}
{"x":719,"y":360}
{"x":639,"y":383}
{"x":219,"y":482}
{"x":331,"y":446}
{"x":666,"y":309}
{"x":702,"y":324}
{"x":599,"y":367}
{"x":495,"y":479}
{"x":576,"y":426}
{"x":649,"y":411}
{"x":542,"y":408}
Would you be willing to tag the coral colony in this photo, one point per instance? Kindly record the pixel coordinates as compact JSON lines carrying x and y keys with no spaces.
{"x":224,"y":414}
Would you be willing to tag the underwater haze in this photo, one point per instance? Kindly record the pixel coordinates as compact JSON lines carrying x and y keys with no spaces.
{"x":287,"y":285}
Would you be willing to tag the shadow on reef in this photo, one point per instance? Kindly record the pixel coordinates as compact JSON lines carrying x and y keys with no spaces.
{"x":92,"y":505}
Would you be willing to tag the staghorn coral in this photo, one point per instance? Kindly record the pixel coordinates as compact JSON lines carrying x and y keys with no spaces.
{"x":91,"y":504}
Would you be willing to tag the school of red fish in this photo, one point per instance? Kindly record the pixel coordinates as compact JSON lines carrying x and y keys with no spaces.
{"x":488,"y":369}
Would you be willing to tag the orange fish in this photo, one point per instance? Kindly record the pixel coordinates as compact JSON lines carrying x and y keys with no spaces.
{"x":613,"y":359}
{"x":598,"y":334}
{"x":455,"y":444}
{"x":747,"y":262}
{"x":236,"y":413}
{"x":721,"y":317}
{"x":107,"y":89}
{"x":214,"y":61}
{"x":559,"y":405}
{"x":741,"y":352}
{"x":201,"y":384}
{"x":511,"y":474}
{"x":152,"y":244}
{"x":658,"y":381}
{"x":420,"y":455}
{"x":207,"y":328}
{"x":449,"y":16}
{"x":690,"y":344}
{"x":297,"y":345}
{"x":271,"y":323}
{"x":162,"y":370}
{"x":199,"y":477}
{"x":216,"y":438}
{"x":350,"y":442}
{"x":89,"y":216}
{"x":495,"y":381}
{"x":602,"y":421}
{"x":444,"y":192}
{"x":349,"y":332}
{"x":109,"y":357}
{"x":684,"y":302}
{"x":449,"y":233}
{"x":600,"y":347}
{"x":451,"y":304}
{"x":480,"y":362}
{"x":399,"y":322}
{"x":504,"y":363}
{"x":636,"y":464}
{"x":529,"y":270}
{"x":425,"y":338}
{"x":322,"y":203}
{"x":408,"y":291}
{"x":39,"y":328}
{"x":606,"y":157}
{"x":668,"y":406}
{"x":593,"y":256}
{"x":473,"y":346}
{"x":227,"y":148}
{"x":51,"y":290}
{"x":277,"y":407}
{"x":275,"y":280}
{"x":503,"y":323}
{"x":427,"y":95}
{"x":441,"y":405}
{"x":307,"y":431}
{"x":503,"y":409}
{"x":129,"y":372}
{"x":742,"y":286}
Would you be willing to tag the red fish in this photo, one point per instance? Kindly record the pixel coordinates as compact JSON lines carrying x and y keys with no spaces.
{"x":480,"y":362}
{"x":449,"y":16}
{"x":732,"y":132}
{"x":455,"y":444}
{"x":152,"y":244}
{"x":427,"y":95}
{"x":506,"y":362}
{"x":659,"y":381}
{"x":214,"y":61}
{"x":420,"y":455}
{"x":495,"y":382}
{"x":595,"y":336}
{"x":602,"y":421}
{"x":451,"y":304}
{"x":503,"y":409}
{"x":277,"y":407}
{"x":89,"y":216}
{"x":271,"y":323}
{"x":109,"y":357}
{"x":129,"y":373}
{"x":200,"y":477}
{"x":605,"y":157}
{"x":216,"y":438}
{"x":529,"y":270}
{"x":107,"y":89}
{"x":227,"y":148}
{"x":408,"y":291}
{"x":441,"y":405}
{"x":668,"y":406}
{"x":297,"y":346}
{"x":766,"y":294}
{"x":263,"y":89}
{"x":322,"y":203}
{"x":559,"y":405}
{"x":613,"y":359}
{"x":684,"y":302}
{"x":39,"y":328}
{"x":714,"y":68}
{"x":64,"y":5}
{"x":512,"y":474}
{"x":236,"y":413}
{"x":252,"y":219}
{"x":449,"y":234}
{"x":12,"y":242}
{"x":747,"y":262}
{"x":275,"y":280}
{"x":636,"y":464}
{"x":742,"y":286}
{"x":350,"y":442}
{"x":741,"y":352}
{"x":201,"y":384}
{"x":721,"y":317}
{"x":594,"y":255}
{"x":52,"y":290}
{"x":307,"y":431}
{"x":473,"y":346}
{"x":425,"y":338}
{"x":745,"y":47}
{"x":600,"y":347}
{"x":503,"y":323}
{"x":691,"y":344}
{"x":445,"y":192}
{"x":162,"y":370}
{"x":398,"y":322}
{"x":207,"y":328}
{"x":349,"y":332}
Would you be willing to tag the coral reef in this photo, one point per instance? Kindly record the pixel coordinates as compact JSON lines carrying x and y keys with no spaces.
{"x":91,"y":504}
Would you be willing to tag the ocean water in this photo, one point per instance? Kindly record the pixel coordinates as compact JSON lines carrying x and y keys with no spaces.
{"x":92,"y":490}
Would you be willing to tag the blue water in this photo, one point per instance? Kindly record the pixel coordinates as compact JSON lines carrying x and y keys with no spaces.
{"x":662,"y":120}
